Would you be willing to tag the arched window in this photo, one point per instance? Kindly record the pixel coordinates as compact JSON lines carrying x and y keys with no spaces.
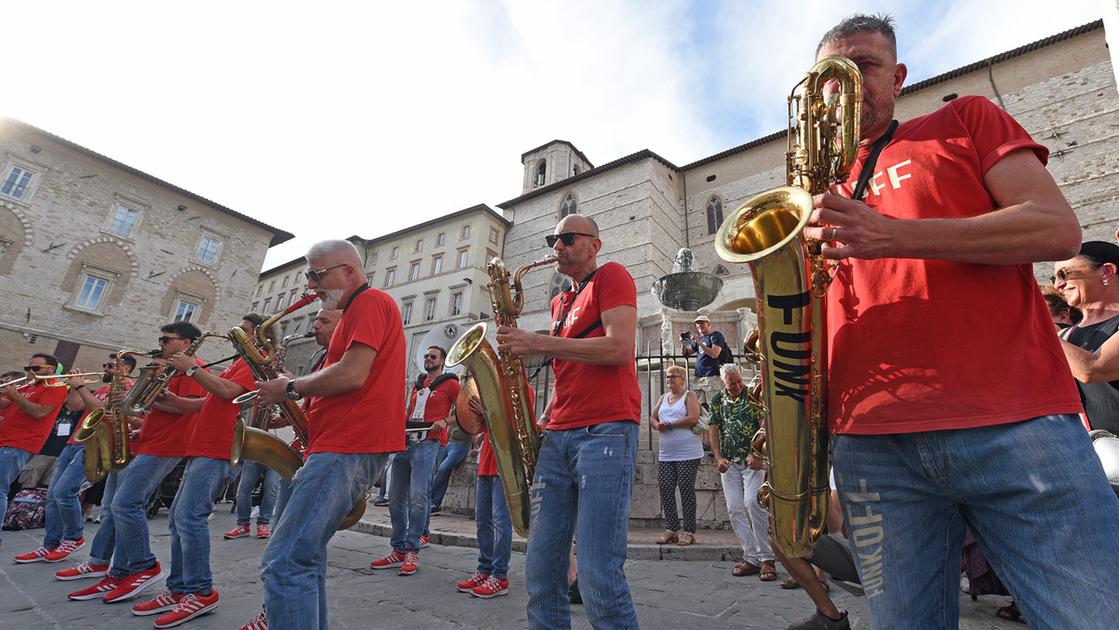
{"x":568,"y":206}
{"x":714,"y":215}
{"x":541,"y":169}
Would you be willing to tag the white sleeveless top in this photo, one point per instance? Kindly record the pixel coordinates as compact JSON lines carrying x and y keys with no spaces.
{"x":679,"y":444}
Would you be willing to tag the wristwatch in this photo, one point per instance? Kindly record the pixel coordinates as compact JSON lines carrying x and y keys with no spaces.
{"x":191,"y":370}
{"x":292,"y":394}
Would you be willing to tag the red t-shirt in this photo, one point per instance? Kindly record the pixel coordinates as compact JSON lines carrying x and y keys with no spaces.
{"x":487,"y":463}
{"x":212,"y":432}
{"x":166,"y":434}
{"x":588,"y":394}
{"x":923,"y":345}
{"x":20,"y":430}
{"x":439,"y":404}
{"x":369,"y":419}
{"x":101,"y":394}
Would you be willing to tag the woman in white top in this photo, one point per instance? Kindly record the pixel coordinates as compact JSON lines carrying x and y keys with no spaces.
{"x":680,"y":451}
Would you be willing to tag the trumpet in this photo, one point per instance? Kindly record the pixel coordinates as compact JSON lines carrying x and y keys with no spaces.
{"x":31,"y":379}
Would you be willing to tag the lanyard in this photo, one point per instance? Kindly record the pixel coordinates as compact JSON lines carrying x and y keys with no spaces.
{"x":350,"y":301}
{"x":872,"y":159}
{"x":558,"y":325}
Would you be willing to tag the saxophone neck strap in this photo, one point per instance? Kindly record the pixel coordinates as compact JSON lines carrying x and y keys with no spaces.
{"x":558,"y":325}
{"x":868,"y":167}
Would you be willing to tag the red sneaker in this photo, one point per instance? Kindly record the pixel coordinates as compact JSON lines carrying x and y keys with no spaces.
{"x":161,"y":603}
{"x":83,"y":570}
{"x":192,"y":605}
{"x":39,"y":555}
{"x":390,"y":561}
{"x":410,"y":564}
{"x":132,"y":585}
{"x":237,"y":532}
{"x":64,"y":550}
{"x":469,"y":583}
{"x":425,"y":541}
{"x":97,"y":591}
{"x":491,"y":588}
{"x":263,"y":531}
{"x":259,"y":622}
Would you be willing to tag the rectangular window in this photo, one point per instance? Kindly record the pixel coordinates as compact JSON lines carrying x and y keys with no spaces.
{"x":208,"y":248}
{"x":16,"y":183}
{"x":255,"y":304}
{"x":390,"y":276}
{"x":259,"y":290}
{"x":394,"y":253}
{"x":372,"y":259}
{"x":441,"y":239}
{"x":414,"y":272}
{"x":419,"y":244}
{"x":292,"y":295}
{"x":281,"y":301}
{"x":429,"y":309}
{"x":463,"y":254}
{"x":406,"y":313}
{"x":493,"y":235}
{"x":436,"y":265}
{"x":124,"y":219}
{"x":456,"y":303}
{"x":185,"y":311}
{"x":91,"y":292}
{"x":267,"y":304}
{"x":272,"y":286}
{"x":465,"y":232}
{"x":284,"y":283}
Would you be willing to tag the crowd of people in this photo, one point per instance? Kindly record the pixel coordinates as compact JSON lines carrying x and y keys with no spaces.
{"x":957,"y":400}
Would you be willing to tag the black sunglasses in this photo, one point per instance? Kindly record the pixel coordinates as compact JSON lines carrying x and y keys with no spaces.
{"x":166,"y":339}
{"x":314,"y":275}
{"x":108,"y":365}
{"x":568,"y":238}
{"x":36,"y":368}
{"x":431,"y":356}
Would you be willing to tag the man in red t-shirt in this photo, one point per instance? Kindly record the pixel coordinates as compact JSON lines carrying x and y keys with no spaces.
{"x":26,"y":418}
{"x":63,"y":510}
{"x":948,"y":391}
{"x":190,"y":592}
{"x":356,"y":419}
{"x":429,"y":415}
{"x":123,"y":534}
{"x":584,"y":473}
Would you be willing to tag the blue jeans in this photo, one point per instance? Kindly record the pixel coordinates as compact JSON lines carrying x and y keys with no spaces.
{"x":250,"y":472}
{"x":382,"y":491}
{"x":135,"y":485}
{"x":410,"y":494}
{"x":283,"y":493}
{"x":456,"y":454}
{"x":1034,"y":494}
{"x":583,"y":481}
{"x":190,"y":527}
{"x":63,"y":510}
{"x":495,"y":529}
{"x":101,"y":549}
{"x":12,"y":460}
{"x":294,"y":565}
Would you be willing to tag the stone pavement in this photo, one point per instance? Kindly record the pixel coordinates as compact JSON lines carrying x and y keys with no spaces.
{"x":698,"y":595}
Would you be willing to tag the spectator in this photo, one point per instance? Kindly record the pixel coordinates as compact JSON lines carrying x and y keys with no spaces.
{"x":734,"y":421}
{"x":1090,"y":283}
{"x":674,"y":415}
{"x":457,"y":448}
{"x":711,"y":350}
{"x":1063,"y":314}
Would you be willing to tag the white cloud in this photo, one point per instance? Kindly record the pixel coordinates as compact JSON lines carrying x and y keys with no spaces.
{"x":334,"y":118}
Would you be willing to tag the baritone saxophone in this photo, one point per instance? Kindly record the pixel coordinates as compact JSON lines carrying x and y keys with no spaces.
{"x":791,"y":279}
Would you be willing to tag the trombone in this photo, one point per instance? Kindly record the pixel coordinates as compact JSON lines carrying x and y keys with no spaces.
{"x":31,"y":379}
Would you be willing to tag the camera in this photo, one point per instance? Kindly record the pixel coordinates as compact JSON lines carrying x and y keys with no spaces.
{"x":685,"y":336}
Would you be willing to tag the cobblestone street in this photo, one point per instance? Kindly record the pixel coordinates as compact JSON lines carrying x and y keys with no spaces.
{"x":697,"y":595}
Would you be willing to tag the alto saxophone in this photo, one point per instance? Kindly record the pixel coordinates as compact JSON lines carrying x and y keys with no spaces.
{"x":105,"y":432}
{"x":504,"y":390}
{"x":149,"y":385}
{"x":791,"y":279}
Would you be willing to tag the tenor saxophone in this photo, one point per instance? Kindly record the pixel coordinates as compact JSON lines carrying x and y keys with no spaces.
{"x":791,"y":279}
{"x":504,"y":390}
{"x":105,"y":432}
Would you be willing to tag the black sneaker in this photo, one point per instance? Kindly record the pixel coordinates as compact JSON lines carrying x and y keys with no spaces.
{"x":573,"y":594}
{"x":436,"y":509}
{"x":379,"y":502}
{"x":819,"y":622}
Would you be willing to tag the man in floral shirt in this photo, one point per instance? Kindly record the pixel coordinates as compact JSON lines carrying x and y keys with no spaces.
{"x":733,"y":424}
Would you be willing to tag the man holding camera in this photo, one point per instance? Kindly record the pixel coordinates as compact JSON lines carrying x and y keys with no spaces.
{"x":710,"y":349}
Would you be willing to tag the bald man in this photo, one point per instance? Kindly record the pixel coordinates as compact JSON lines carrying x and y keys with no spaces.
{"x":585,"y":469}
{"x":356,"y":419}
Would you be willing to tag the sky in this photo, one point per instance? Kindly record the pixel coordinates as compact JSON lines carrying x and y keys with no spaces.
{"x":330,"y":119}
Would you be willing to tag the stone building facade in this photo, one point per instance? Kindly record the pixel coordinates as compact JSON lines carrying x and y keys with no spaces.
{"x":96,"y":255}
{"x":434,"y":270}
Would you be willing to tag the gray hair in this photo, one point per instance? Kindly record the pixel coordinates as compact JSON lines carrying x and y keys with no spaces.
{"x":861,"y":23}
{"x":729,"y":368}
{"x":334,"y":247}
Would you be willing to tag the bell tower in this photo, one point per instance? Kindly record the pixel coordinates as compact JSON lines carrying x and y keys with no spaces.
{"x":552,"y":162}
